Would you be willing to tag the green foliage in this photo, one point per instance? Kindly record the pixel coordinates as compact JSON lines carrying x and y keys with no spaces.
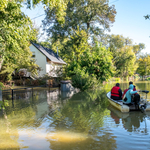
{"x":144,"y":65}
{"x":58,"y":5}
{"x":16,"y":31}
{"x":4,"y":104}
{"x":83,"y":14}
{"x":124,"y":55}
{"x":98,"y":61}
{"x":147,"y":17}
{"x":83,"y":80}
{"x":75,"y":46}
{"x":1,"y":85}
{"x":92,"y":67}
{"x":138,"y":48}
{"x":87,"y":113}
{"x":114,"y":79}
{"x":148,"y":78}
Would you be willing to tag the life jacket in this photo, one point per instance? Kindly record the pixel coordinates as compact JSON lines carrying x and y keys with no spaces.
{"x":114,"y":91}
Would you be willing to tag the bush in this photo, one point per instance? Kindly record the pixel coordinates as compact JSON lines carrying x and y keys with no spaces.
{"x":84,"y":81}
{"x":1,"y":85}
{"x":148,"y":78}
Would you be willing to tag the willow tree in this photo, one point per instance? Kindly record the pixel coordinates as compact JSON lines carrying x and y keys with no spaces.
{"x":16,"y":31}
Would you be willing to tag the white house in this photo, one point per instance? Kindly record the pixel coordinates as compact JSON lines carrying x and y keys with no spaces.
{"x":46,"y":59}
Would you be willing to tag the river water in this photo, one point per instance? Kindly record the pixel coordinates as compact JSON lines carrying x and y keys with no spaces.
{"x":72,"y":121}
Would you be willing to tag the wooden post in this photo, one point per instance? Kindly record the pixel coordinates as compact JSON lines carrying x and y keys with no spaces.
{"x":12,"y":94}
{"x":32,"y":92}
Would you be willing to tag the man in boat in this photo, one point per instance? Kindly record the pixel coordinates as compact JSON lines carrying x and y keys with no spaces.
{"x":129,"y":94}
{"x":116,"y":92}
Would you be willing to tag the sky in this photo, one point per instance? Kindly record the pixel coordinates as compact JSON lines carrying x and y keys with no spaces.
{"x":129,"y":20}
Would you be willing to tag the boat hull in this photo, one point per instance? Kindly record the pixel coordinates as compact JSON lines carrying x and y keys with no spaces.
{"x":118,"y":104}
{"x":125,"y":108}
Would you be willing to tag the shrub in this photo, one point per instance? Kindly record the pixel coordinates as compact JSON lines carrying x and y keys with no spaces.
{"x":84,"y":81}
{"x":148,"y":78}
{"x":1,"y":85}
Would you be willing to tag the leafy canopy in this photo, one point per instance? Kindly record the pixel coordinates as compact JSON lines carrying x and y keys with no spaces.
{"x":16,"y":31}
{"x":144,"y":65}
{"x":93,"y":16}
{"x":125,"y":54}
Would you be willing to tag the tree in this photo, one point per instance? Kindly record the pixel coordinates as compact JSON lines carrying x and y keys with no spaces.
{"x":91,"y":16}
{"x":98,"y":61}
{"x":16,"y":31}
{"x":124,"y":54}
{"x":75,"y":45}
{"x":144,"y":65}
{"x":92,"y":67}
{"x":59,"y":6}
{"x":125,"y":63}
{"x":138,"y":48}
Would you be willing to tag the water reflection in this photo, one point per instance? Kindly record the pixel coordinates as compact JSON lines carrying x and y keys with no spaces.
{"x":7,"y":133}
{"x":84,"y":120}
{"x":132,"y":121}
{"x":83,"y":112}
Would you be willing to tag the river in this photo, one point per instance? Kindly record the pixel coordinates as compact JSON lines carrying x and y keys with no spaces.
{"x":72,"y":121}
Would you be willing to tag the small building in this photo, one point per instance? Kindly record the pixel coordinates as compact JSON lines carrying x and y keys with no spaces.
{"x":46,"y":59}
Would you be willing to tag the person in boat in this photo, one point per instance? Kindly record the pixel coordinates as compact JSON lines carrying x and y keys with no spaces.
{"x":134,"y":89}
{"x":128,"y":95}
{"x":116,"y":92}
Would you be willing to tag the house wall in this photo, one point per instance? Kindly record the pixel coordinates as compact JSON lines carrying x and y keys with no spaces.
{"x":40,"y":59}
{"x":51,"y":69}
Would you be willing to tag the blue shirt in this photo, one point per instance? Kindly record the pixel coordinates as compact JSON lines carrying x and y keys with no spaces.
{"x":129,"y":93}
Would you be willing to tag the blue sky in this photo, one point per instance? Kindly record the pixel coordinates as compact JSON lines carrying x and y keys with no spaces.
{"x":129,"y":22}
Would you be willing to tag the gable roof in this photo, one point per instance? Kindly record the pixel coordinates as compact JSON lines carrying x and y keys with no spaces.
{"x":49,"y":54}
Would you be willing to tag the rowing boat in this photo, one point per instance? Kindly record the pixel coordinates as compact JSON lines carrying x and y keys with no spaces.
{"x":144,"y":105}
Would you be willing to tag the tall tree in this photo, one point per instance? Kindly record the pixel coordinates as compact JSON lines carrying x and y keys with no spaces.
{"x":138,"y":48}
{"x":93,"y":16}
{"x":124,"y":54}
{"x":144,"y":65}
{"x":15,"y":34}
{"x":59,"y":6}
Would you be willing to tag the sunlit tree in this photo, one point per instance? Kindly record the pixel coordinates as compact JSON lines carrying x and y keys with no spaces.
{"x":144,"y":65}
{"x":16,"y":31}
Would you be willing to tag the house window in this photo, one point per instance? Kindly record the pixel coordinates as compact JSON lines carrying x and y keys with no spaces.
{"x":33,"y":54}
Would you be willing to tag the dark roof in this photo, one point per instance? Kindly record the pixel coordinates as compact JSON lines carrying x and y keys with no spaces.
{"x":49,"y":53}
